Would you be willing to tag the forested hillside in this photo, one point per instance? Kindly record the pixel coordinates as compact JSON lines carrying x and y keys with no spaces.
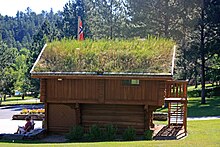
{"x":194,"y":25}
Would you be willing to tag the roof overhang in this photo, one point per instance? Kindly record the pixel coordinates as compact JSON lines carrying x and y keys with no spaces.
{"x":104,"y":75}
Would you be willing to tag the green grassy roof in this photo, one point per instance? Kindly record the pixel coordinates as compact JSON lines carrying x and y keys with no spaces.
{"x":152,"y":55}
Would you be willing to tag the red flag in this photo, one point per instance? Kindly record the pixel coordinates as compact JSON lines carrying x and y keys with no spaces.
{"x":80,"y":29}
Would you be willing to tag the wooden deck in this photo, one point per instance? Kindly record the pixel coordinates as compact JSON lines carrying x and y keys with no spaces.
{"x":169,"y":133}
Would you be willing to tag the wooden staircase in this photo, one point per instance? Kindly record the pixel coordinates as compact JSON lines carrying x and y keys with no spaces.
{"x":176,"y":98}
{"x":176,"y":113}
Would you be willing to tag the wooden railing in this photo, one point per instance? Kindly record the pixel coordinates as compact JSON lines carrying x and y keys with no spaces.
{"x":176,"y":98}
{"x":176,"y":89}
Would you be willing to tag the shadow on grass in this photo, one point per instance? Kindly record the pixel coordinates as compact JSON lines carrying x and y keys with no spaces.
{"x":196,"y":109}
{"x":211,"y":108}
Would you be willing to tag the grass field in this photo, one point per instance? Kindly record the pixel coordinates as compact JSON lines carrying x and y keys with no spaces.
{"x":196,"y":109}
{"x":200,"y":133}
{"x":18,"y":100}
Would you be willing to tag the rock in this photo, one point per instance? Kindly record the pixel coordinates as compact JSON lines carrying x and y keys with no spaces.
{"x":33,"y":116}
{"x":160,"y":116}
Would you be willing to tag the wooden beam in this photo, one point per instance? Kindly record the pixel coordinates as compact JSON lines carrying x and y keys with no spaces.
{"x":43,"y":90}
{"x":78,"y":114}
{"x":45,"y":121}
{"x":146,"y":118}
{"x":155,"y":77}
{"x":129,"y":102}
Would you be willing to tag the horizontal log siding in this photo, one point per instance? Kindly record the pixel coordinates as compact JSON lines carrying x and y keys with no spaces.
{"x":106,"y":91}
{"x":120,"y":115}
{"x":147,"y":92}
{"x":61,"y":117}
{"x":66,"y":90}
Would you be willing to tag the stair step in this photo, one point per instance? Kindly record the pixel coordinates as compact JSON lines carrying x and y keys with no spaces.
{"x":175,"y":121}
{"x":176,"y":113}
{"x":175,"y":107}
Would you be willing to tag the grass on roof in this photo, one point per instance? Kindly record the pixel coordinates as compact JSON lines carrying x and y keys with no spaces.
{"x":152,"y":55}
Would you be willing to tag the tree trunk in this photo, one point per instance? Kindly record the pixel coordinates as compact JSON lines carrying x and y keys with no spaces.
{"x":202,"y":54}
{"x":111,"y":23}
{"x":4,"y":97}
{"x":22,"y":96}
{"x":203,"y":101}
{"x":166,"y":23}
{"x":196,"y":74}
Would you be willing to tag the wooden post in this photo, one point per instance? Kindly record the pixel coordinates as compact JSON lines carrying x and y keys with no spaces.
{"x":150,"y":114}
{"x":43,"y":90}
{"x":169,"y":114}
{"x":176,"y":90}
{"x":78,"y":114}
{"x":146,"y":118}
{"x":45,"y":122}
{"x":185,"y":117}
{"x":185,"y":90}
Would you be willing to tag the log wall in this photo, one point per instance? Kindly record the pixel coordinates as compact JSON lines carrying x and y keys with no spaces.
{"x":63,"y":117}
{"x":111,"y":91}
{"x":121,"y":116}
{"x":60,"y":117}
{"x":100,"y":101}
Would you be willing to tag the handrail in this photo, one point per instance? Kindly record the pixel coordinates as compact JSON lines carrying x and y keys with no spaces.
{"x":176,"y":88}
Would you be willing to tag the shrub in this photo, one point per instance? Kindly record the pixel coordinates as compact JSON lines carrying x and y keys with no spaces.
{"x":148,"y":134}
{"x":95,"y":133}
{"x":76,"y":133}
{"x":110,"y":132}
{"x":129,"y":134}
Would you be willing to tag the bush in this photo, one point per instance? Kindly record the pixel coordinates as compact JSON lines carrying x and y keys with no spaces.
{"x":148,"y":134}
{"x":76,"y":133}
{"x":110,"y":132}
{"x":129,"y":134}
{"x":95,"y":133}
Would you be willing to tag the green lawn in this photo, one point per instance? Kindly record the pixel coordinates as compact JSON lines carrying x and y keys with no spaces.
{"x":211,"y":108}
{"x":196,"y":109}
{"x":190,"y":88}
{"x":200,"y":133}
{"x":18,"y":100}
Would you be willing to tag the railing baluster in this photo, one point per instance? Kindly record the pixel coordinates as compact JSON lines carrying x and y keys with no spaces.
{"x":177,"y":94}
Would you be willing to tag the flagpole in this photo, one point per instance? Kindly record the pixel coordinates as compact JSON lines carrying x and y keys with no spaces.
{"x":78,"y":29}
{"x":80,"y":35}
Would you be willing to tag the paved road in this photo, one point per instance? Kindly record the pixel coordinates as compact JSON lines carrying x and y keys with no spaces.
{"x":7,"y":125}
{"x":6,"y":112}
{"x":203,"y":118}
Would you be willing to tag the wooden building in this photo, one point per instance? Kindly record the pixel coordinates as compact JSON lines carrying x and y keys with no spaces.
{"x":93,"y":97}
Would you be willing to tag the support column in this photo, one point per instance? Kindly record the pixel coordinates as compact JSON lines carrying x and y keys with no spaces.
{"x":43,"y":90}
{"x":45,"y":121}
{"x":78,"y":114}
{"x":146,"y":118}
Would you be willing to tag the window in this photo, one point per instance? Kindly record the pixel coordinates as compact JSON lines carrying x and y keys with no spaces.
{"x":131,"y":82}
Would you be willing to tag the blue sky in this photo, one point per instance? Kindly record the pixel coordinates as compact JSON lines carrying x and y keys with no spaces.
{"x":10,"y":7}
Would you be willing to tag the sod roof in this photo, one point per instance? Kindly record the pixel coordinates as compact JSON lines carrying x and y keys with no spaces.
{"x":137,"y":56}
